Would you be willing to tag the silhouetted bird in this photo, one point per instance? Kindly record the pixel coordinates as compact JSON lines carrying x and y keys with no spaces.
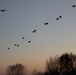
{"x":29,"y":41}
{"x":17,"y":45}
{"x":14,"y":44}
{"x":46,"y":23}
{"x":34,"y":31}
{"x":2,"y":10}
{"x":57,"y":18}
{"x":8,"y":48}
{"x":60,"y":16}
{"x":73,"y":6}
{"x":23,"y":37}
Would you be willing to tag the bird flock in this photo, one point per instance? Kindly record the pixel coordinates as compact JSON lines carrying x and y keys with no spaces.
{"x":46,"y":23}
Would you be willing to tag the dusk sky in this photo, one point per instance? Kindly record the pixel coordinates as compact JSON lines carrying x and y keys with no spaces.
{"x":21,"y":18}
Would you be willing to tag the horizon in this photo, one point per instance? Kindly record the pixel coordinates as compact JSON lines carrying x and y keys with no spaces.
{"x":26,"y":39}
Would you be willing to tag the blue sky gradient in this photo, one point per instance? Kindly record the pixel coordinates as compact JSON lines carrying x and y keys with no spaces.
{"x":22,"y":17}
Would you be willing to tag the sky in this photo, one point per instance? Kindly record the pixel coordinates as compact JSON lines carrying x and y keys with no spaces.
{"x":21,"y":18}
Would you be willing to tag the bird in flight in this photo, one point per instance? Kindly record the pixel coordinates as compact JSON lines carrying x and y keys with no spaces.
{"x":46,"y":23}
{"x":57,"y":18}
{"x":2,"y":10}
{"x":73,"y":6}
{"x":60,"y":16}
{"x":23,"y":37}
{"x":34,"y":31}
{"x":15,"y":45}
{"x":29,"y":41}
{"x":8,"y":48}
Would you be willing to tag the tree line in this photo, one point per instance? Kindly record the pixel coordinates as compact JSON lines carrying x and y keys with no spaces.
{"x":63,"y":65}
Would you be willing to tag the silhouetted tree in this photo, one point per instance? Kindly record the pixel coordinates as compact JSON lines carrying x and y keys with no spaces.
{"x":63,"y":65}
{"x":17,"y":69}
{"x":52,"y":66}
{"x":35,"y":72}
{"x":68,"y":63}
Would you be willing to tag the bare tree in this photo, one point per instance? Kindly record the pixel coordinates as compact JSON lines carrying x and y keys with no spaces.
{"x":17,"y":69}
{"x":52,"y":66}
{"x":63,"y":65}
{"x":35,"y":72}
{"x":68,"y":63}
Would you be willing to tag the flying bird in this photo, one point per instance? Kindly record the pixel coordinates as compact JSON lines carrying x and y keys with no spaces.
{"x":15,"y":45}
{"x":46,"y":23}
{"x":23,"y":37}
{"x":73,"y":6}
{"x":57,"y":18}
{"x":60,"y":16}
{"x":34,"y":31}
{"x":8,"y":48}
{"x":29,"y":41}
{"x":2,"y":10}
